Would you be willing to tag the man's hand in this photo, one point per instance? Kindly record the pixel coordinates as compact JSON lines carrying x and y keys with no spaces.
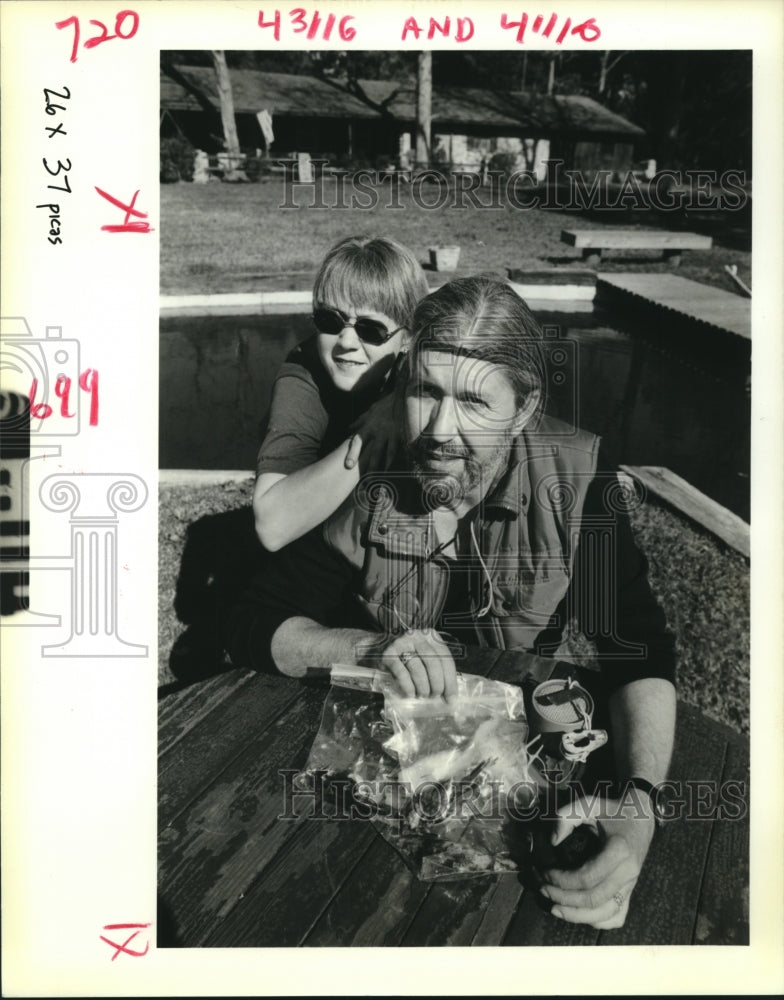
{"x":598,"y":893}
{"x":421,"y":663}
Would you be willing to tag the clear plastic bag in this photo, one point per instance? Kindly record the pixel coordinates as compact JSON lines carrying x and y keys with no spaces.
{"x":435,"y":778}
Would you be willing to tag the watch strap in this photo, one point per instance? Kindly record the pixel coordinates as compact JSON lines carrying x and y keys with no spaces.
{"x":621,"y":786}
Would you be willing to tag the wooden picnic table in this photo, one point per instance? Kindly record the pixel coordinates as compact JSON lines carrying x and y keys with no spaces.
{"x":672,"y":244}
{"x":233,"y":874}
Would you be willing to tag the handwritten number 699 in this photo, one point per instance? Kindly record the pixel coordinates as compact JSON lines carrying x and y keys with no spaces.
{"x":104,"y":35}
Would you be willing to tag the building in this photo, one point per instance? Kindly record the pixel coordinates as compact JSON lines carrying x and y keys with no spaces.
{"x":373,"y":122}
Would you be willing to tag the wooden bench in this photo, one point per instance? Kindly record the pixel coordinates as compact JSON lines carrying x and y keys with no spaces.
{"x":233,"y":873}
{"x":593,"y":241}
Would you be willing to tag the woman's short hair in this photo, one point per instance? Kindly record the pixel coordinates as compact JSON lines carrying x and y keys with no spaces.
{"x":485,"y":318}
{"x":375,"y":273}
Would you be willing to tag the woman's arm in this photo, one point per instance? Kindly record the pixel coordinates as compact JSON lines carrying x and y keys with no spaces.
{"x":288,"y":506}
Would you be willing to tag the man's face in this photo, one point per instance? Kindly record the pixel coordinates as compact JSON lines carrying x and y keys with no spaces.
{"x":461,"y":417}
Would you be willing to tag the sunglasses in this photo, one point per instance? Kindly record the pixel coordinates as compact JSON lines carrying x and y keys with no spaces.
{"x":369,"y":331}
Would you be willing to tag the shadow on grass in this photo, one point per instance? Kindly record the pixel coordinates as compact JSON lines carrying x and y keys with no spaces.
{"x":220,"y":556}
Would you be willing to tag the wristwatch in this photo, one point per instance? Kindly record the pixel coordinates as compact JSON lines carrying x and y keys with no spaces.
{"x":656,"y":793}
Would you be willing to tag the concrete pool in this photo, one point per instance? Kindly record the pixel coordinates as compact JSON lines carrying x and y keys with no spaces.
{"x":656,"y":400}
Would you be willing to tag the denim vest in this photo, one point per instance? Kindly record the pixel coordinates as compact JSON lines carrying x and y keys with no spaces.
{"x":522,"y":543}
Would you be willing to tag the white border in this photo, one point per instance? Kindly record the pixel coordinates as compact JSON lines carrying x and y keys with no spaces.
{"x":79,"y":736}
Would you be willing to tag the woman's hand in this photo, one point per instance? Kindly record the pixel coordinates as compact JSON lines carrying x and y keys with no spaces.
{"x":376,"y":434}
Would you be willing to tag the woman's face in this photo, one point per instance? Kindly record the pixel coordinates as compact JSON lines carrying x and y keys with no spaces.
{"x":352,"y":361}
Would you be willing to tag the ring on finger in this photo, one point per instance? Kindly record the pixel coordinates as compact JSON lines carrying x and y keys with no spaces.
{"x":405,"y":656}
{"x":618,"y":898}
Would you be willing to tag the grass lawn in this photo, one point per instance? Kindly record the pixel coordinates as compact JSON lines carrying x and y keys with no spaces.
{"x":236,"y":238}
{"x":702,"y":586}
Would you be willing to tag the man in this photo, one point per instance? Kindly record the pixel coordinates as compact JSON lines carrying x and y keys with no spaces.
{"x":496,"y":527}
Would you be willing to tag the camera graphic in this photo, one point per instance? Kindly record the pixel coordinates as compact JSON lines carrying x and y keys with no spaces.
{"x":46,"y":371}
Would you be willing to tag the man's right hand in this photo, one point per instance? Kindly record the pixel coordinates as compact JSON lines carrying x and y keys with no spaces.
{"x":421,"y":663}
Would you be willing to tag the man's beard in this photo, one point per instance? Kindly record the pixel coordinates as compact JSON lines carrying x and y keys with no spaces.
{"x":472,"y":478}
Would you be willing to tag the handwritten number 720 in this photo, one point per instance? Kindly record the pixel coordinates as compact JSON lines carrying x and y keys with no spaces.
{"x":104,"y":35}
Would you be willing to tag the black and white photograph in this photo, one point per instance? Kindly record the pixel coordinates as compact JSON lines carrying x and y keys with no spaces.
{"x":455,"y":389}
{"x":390,"y":498}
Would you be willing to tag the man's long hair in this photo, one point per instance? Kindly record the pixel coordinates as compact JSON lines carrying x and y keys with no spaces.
{"x":484,"y":318}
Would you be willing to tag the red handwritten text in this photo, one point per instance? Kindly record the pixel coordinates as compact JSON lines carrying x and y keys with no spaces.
{"x":311,"y":23}
{"x":88,"y":382}
{"x":588,"y":30}
{"x":121,"y":30}
{"x":127,"y":226}
{"x":123,"y":949}
{"x":464,"y":28}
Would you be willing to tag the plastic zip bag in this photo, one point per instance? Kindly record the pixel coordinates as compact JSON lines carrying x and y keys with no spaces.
{"x":434,"y":777}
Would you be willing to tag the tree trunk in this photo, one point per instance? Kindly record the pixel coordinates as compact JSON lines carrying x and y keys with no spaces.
{"x":424,"y":100}
{"x":227,"y":115}
{"x":524,"y":73}
{"x":551,"y":77}
{"x":605,"y":66}
{"x":603,"y":70}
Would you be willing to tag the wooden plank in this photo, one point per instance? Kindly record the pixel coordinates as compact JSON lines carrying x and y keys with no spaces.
{"x":452,"y":912}
{"x":202,"y":477}
{"x":532,"y":926}
{"x":375,"y":905}
{"x":664,"y":905}
{"x":723,"y":911}
{"x":637,"y":239}
{"x":498,"y":911}
{"x":212,"y":852}
{"x":687,"y":499}
{"x":180,"y":711}
{"x":703,"y":303}
{"x":281,"y":908}
{"x":191,"y":764}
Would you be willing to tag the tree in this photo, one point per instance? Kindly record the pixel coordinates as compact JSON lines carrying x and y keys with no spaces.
{"x":227,"y":115}
{"x":605,"y":66}
{"x":424,"y":100}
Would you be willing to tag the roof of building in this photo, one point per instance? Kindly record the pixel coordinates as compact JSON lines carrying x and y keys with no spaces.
{"x":193,"y":88}
{"x":253,"y":90}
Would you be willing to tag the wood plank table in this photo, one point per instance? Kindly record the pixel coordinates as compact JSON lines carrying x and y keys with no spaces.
{"x":593,"y":241}
{"x":233,"y":874}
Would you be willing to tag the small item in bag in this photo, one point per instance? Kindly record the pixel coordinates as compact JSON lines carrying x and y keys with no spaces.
{"x":434,"y":775}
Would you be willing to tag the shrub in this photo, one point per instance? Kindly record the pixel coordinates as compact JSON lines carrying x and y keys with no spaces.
{"x":176,"y":160}
{"x":256,"y":167}
{"x":505,"y":163}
